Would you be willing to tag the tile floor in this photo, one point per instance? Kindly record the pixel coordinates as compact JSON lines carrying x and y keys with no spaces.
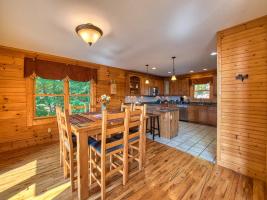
{"x":195,"y":139}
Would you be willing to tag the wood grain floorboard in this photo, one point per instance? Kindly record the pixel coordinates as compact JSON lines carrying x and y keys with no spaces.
{"x":169,"y":174}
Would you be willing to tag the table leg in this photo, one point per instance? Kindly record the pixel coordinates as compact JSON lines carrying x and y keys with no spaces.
{"x":82,"y":165}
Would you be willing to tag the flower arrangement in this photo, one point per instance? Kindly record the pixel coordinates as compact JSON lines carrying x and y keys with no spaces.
{"x":104,"y":100}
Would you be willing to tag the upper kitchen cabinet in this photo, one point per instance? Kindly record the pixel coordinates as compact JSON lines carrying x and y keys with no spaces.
{"x":180,"y":87}
{"x":133,"y":85}
{"x":173,"y":88}
{"x":159,"y":83}
{"x":184,"y":88}
{"x":136,"y":84}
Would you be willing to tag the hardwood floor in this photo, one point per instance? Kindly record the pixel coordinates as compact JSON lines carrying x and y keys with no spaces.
{"x":34,"y":173}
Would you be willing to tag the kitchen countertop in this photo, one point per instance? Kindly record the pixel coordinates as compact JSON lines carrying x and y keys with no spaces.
{"x":161,"y":108}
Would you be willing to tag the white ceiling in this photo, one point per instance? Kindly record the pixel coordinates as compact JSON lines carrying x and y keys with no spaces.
{"x":136,"y":32}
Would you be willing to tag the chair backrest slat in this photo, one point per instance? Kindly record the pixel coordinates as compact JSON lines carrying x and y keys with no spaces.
{"x":117,"y":129}
{"x":108,"y":129}
{"x":137,"y":120}
{"x":129,"y":106}
{"x":66,"y":129}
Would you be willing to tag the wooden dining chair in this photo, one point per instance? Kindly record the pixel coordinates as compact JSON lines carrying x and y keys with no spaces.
{"x":112,"y":146}
{"x":58,"y":114}
{"x":68,"y":143}
{"x":136,"y":126}
{"x":129,"y":106}
{"x":72,"y":108}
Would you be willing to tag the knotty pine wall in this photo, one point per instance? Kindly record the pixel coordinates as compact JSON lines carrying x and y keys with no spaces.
{"x":242,"y":106}
{"x":14,"y":132}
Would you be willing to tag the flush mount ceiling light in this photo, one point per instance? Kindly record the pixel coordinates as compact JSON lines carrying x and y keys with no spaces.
{"x":147,"y":81}
{"x":213,"y":53}
{"x":191,"y":71}
{"x":89,"y":33}
{"x":173,"y":78}
{"x":205,"y":69}
{"x":153,"y":68}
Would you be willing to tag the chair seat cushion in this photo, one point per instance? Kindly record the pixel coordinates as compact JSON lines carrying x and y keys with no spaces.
{"x":133,"y":139}
{"x":74,"y":140}
{"x":97,"y":144}
{"x":133,"y":130}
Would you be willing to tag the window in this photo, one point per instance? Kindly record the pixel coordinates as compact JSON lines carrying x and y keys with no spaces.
{"x":50,"y":93}
{"x":202,"y":91}
{"x":79,"y":96}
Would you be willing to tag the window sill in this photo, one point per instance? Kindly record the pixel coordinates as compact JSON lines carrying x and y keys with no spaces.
{"x":43,"y":120}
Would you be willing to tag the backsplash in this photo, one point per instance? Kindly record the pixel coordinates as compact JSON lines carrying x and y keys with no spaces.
{"x":141,"y":99}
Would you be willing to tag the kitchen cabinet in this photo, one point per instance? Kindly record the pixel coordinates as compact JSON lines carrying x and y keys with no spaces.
{"x":136,"y":86}
{"x":173,"y":88}
{"x":202,"y":114}
{"x":166,"y":87}
{"x":169,"y":124}
{"x":180,"y":87}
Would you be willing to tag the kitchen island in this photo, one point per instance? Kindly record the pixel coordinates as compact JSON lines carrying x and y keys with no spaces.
{"x":169,"y":119}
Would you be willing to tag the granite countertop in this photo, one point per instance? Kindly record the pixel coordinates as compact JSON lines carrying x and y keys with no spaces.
{"x":160,"y":108}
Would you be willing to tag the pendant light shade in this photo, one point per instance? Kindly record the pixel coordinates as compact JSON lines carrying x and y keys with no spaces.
{"x":89,"y":33}
{"x":173,"y":78}
{"x":147,"y":81}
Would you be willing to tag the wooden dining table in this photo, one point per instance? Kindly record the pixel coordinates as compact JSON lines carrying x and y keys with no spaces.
{"x":85,"y":125}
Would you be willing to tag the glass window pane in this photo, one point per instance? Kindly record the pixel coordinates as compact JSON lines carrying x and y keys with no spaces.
{"x":46,"y":86}
{"x":80,"y":102}
{"x":202,"y":95}
{"x":79,"y":87}
{"x":46,"y":105}
{"x":202,"y":87}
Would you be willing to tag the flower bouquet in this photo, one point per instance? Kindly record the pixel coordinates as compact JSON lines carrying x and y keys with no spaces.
{"x":104,"y":100}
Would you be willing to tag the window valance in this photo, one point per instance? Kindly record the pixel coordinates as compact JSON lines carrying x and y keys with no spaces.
{"x":202,"y":80}
{"x":58,"y":71}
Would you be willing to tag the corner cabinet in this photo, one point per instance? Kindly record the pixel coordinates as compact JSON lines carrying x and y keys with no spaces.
{"x":136,"y":86}
{"x":133,"y":85}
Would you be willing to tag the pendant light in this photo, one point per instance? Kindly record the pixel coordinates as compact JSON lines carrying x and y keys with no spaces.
{"x":147,"y":81}
{"x":89,"y":33}
{"x":173,"y":78}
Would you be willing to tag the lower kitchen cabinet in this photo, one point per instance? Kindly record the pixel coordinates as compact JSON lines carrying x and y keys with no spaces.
{"x":203,"y":114}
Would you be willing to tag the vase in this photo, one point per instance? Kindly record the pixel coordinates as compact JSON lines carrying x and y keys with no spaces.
{"x":103,"y":107}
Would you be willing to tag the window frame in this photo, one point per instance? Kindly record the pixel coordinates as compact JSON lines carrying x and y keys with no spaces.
{"x":32,"y":119}
{"x":79,"y":95}
{"x":194,"y":90}
{"x":45,"y":95}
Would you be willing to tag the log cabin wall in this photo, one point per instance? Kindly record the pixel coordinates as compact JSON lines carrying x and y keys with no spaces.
{"x":242,"y":110}
{"x":15,"y":133}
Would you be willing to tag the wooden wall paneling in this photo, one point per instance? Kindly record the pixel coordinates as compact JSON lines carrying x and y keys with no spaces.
{"x":18,"y":130}
{"x":242,"y":111}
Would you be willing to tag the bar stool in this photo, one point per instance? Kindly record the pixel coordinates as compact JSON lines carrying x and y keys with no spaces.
{"x":153,"y":117}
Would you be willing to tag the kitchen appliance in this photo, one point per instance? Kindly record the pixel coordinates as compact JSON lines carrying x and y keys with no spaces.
{"x":183,"y":112}
{"x":153,"y":91}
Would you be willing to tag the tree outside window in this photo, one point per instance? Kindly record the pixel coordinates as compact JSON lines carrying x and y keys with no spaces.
{"x":202,"y":91}
{"x":50,"y":93}
{"x":79,"y":96}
